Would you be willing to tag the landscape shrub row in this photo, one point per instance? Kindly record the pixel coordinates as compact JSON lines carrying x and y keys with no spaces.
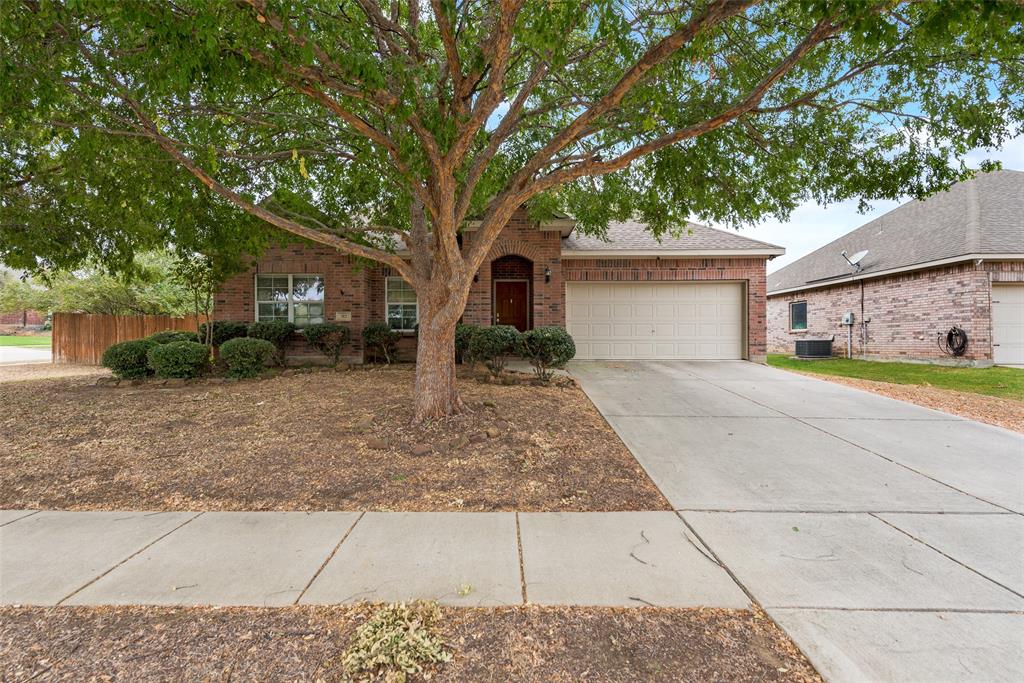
{"x":546,"y":348}
{"x":247,"y":349}
{"x":180,"y":354}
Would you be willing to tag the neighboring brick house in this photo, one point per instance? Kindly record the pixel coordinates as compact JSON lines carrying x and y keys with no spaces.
{"x":20,"y":320}
{"x":701,"y":296}
{"x":954,"y":259}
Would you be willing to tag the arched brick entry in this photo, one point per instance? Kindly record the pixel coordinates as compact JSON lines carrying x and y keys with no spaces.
{"x":512,"y":291}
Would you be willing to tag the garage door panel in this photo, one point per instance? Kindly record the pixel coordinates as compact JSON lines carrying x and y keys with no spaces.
{"x":1008,"y":324}
{"x":656,"y":320}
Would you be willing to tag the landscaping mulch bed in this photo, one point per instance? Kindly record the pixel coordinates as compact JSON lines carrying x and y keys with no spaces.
{"x":310,"y":441}
{"x":305,"y":644}
{"x":1002,"y":412}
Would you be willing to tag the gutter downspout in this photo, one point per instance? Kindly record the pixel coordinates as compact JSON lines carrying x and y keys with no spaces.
{"x":863,"y":324}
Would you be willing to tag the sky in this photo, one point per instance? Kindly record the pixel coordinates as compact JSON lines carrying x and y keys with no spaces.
{"x":812,"y":226}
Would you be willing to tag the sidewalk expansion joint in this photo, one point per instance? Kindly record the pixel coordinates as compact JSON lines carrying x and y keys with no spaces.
{"x":137,"y":552}
{"x":804,"y":421}
{"x":18,"y":519}
{"x":719,"y":561}
{"x":946,"y":555}
{"x":522,"y":566}
{"x":329,"y":558}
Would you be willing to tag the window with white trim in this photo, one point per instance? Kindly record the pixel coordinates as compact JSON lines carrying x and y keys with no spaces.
{"x":401,"y":308}
{"x":295,"y":298}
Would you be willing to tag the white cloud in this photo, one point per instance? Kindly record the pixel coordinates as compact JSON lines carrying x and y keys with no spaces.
{"x":812,"y":226}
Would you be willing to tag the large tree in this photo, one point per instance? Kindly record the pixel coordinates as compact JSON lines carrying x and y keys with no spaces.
{"x":364,"y":124}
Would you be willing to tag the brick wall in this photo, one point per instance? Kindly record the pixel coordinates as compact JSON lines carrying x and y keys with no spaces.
{"x":907,"y":312}
{"x":748,"y":270}
{"x":22,"y":318}
{"x":345,"y":290}
{"x":359,"y":289}
{"x":521,"y":237}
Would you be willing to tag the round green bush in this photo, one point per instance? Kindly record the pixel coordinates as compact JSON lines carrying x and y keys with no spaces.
{"x":277,"y":332}
{"x":381,"y":341}
{"x":168,"y":336}
{"x":180,"y":359}
{"x":493,"y":345}
{"x":463,"y":336}
{"x":546,"y":348}
{"x":246,"y":357}
{"x":328,"y":338}
{"x":128,"y":359}
{"x":223,"y":330}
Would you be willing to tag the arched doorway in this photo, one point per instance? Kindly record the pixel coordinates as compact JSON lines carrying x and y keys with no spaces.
{"x":512,"y":292}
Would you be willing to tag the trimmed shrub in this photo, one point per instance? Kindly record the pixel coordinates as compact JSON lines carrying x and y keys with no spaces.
{"x":224,"y":330}
{"x":546,"y":348}
{"x":168,"y":336}
{"x":463,"y":336}
{"x":492,"y":345}
{"x":179,"y":359}
{"x":277,"y":332}
{"x":381,"y":341}
{"x":246,"y":357}
{"x":328,"y":338}
{"x":128,"y":359}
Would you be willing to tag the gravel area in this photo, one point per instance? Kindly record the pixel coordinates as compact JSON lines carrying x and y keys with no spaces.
{"x":305,"y":644}
{"x":310,"y":441}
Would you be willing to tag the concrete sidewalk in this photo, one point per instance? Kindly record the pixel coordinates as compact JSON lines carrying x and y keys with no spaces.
{"x":284,"y":558}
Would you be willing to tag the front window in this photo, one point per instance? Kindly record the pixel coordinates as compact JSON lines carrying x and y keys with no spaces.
{"x":402,"y":310}
{"x":798,"y":315}
{"x":295,"y":298}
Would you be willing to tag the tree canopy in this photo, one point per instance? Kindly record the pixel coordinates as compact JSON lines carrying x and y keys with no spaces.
{"x":339,"y":115}
{"x":365,"y":124}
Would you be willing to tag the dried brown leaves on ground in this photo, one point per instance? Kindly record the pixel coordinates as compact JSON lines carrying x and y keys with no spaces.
{"x":306,"y":644}
{"x":1002,"y":412}
{"x":310,"y":441}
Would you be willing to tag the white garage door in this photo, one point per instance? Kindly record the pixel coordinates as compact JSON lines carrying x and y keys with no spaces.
{"x":664,"y":320}
{"x":1008,"y":324}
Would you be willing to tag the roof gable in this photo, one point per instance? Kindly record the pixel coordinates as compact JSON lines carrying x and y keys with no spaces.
{"x":984,"y":215}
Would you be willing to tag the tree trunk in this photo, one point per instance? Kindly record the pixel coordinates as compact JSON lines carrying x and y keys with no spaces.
{"x":436,"y":394}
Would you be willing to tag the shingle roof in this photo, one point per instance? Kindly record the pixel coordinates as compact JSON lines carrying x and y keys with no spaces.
{"x":984,"y":215}
{"x":634,"y":236}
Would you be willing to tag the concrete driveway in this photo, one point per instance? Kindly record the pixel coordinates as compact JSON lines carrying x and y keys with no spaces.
{"x":886,"y":538}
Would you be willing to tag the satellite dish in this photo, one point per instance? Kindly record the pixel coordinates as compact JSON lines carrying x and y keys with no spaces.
{"x":855,"y":260}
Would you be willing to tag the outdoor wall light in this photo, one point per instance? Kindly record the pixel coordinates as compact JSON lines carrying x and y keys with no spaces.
{"x":476,"y":278}
{"x":547,"y":275}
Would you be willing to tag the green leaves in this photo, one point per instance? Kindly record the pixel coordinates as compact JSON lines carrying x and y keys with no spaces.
{"x":321,"y":107}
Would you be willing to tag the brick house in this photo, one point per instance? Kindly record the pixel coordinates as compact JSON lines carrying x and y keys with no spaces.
{"x":954,"y":259}
{"x":701,"y":296}
{"x":21,"y":320}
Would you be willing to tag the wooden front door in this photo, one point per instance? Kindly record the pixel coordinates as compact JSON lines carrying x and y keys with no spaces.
{"x":511,"y":304}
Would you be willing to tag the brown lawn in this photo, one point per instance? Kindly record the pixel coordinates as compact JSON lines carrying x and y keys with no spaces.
{"x":304,"y":644}
{"x":309,"y":441}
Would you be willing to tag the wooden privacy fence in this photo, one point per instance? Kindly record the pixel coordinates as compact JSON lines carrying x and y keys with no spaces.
{"x":83,"y":337}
